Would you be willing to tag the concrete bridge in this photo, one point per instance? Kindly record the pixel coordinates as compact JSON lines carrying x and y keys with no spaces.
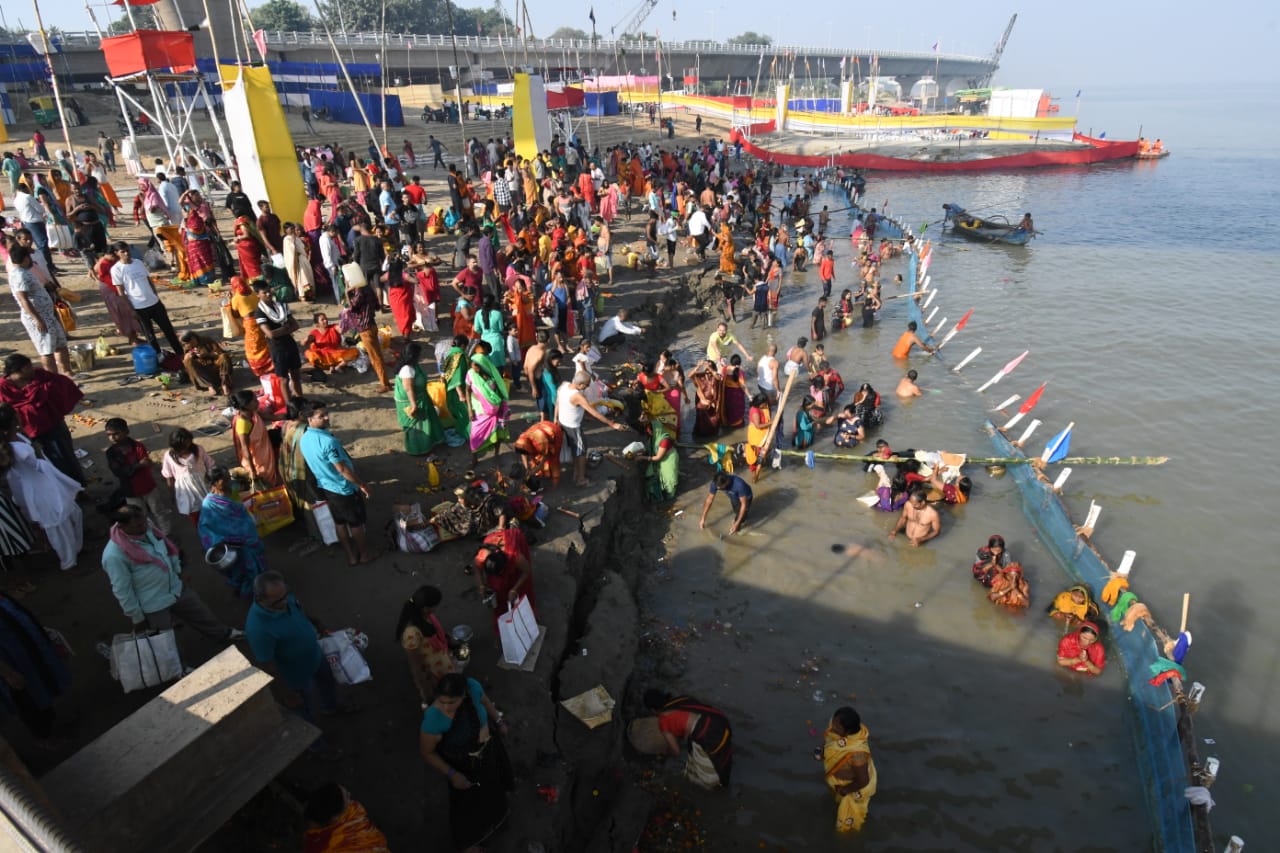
{"x":428,"y":58}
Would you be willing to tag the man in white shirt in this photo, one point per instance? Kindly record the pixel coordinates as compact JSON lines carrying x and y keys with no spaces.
{"x":767,"y":373}
{"x":616,"y":329}
{"x":32,"y":215}
{"x":571,"y":405}
{"x":171,"y":197}
{"x":331,"y":257}
{"x":699,"y":232}
{"x":130,"y":275}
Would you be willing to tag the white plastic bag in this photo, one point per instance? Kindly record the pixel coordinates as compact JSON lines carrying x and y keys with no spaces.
{"x":345,"y":661}
{"x":324,"y":522}
{"x":518,"y":630}
{"x":145,"y":660}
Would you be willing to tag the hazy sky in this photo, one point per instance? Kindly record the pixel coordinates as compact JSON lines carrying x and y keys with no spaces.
{"x":1062,"y":46}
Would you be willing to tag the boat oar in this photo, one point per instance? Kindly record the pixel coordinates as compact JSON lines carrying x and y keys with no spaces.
{"x":1004,"y":371}
{"x":1025,"y":407}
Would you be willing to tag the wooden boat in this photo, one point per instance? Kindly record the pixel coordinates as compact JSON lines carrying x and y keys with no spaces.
{"x":1152,"y":155}
{"x":997,"y":229}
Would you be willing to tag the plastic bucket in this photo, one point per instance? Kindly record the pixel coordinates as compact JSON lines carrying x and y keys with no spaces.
{"x":145,"y":360}
{"x":83,"y":357}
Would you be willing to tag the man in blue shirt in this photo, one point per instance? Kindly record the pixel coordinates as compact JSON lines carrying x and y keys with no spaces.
{"x":335,"y":475}
{"x":286,"y":643}
{"x":739,"y":499}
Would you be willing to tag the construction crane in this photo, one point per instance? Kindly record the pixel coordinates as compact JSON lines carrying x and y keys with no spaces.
{"x":635,"y":18}
{"x":999,"y":51}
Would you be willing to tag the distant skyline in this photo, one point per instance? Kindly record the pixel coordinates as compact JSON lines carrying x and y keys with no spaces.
{"x":1063,"y":47}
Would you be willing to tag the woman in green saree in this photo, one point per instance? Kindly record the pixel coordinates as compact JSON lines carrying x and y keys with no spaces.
{"x":414,"y":409}
{"x":662,"y":473}
{"x":489,"y":404}
{"x":454,"y":371}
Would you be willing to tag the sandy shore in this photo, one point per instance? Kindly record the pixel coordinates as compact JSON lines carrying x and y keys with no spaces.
{"x":981,"y":745}
{"x":584,"y":600}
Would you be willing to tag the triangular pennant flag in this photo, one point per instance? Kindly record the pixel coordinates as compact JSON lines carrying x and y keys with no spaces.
{"x":1059,"y":447}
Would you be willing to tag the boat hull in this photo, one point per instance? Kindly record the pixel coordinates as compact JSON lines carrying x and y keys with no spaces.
{"x":1094,"y":151}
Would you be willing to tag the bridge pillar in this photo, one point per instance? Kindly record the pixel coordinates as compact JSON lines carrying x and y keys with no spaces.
{"x":181,"y":14}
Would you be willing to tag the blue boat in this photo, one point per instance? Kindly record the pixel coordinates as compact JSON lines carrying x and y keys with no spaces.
{"x":997,"y":229}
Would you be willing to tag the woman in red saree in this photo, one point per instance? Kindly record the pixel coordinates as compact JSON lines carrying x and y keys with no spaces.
{"x":1082,"y":651}
{"x":504,"y":565}
{"x":539,"y":448}
{"x":708,"y":386}
{"x":323,"y":347}
{"x":400,"y":288}
{"x":201,"y":259}
{"x":250,"y":247}
{"x":735,"y":392}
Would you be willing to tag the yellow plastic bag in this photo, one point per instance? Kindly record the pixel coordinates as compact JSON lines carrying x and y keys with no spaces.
{"x":270,"y":509}
{"x":66,"y":315}
{"x":69,"y":296}
{"x":232,"y":328}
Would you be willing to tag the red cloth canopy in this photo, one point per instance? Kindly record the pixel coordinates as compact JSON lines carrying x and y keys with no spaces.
{"x":565,"y":100}
{"x":148,"y":50}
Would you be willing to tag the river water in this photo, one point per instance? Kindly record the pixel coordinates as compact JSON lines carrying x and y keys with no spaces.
{"x":1148,"y":306}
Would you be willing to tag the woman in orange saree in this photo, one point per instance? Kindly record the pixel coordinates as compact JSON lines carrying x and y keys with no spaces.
{"x":244,"y":302}
{"x":253,"y":446}
{"x":539,"y":449}
{"x":519,"y":300}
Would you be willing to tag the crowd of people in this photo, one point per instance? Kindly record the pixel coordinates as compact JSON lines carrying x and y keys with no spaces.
{"x":532,"y":247}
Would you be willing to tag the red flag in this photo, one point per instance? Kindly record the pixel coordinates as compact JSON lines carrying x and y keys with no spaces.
{"x":1032,"y":400}
{"x":963,"y":320}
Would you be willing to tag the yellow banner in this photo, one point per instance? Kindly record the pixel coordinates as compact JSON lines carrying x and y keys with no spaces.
{"x":265,"y":156}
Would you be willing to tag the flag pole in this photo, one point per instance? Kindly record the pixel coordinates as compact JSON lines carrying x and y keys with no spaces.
{"x":57,"y":91}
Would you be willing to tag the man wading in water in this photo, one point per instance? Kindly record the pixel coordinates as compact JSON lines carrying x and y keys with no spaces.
{"x":919,"y":520}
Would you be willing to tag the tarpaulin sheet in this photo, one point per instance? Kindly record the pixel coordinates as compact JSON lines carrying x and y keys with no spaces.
{"x":567,"y":99}
{"x":342,"y":106}
{"x":149,"y":50}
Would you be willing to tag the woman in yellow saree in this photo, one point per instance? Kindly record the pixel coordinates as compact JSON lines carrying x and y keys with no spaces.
{"x":759,"y":417}
{"x":849,"y":770}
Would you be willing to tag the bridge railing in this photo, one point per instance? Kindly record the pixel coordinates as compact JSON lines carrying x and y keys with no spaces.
{"x":278,"y":39}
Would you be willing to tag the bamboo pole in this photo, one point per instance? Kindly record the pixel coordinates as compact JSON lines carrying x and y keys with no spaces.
{"x":980,"y":460}
{"x":773,"y":427}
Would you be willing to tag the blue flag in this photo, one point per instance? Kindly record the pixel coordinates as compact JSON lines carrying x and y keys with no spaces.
{"x":1059,"y":447}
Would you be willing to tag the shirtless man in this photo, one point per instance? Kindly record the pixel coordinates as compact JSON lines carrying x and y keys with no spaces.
{"x":534,"y":357}
{"x":918,"y":520}
{"x":797,"y":358}
{"x":767,"y":373}
{"x":907,"y":386}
